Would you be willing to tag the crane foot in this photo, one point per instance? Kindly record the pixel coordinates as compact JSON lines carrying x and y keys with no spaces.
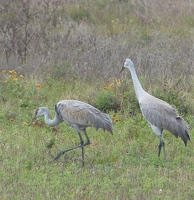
{"x":160,"y":146}
{"x":59,"y":155}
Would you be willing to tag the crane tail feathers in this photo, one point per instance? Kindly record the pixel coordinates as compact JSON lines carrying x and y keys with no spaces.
{"x":183,"y":130}
{"x":105,"y":123}
{"x":185,"y":136}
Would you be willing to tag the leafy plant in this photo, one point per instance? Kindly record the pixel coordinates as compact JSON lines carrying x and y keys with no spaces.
{"x":173,"y":98}
{"x":107,"y":100}
{"x":78,"y":14}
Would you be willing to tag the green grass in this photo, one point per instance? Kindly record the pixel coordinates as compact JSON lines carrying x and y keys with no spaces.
{"x":120,"y":166}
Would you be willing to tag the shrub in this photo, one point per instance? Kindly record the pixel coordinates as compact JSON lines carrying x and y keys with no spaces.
{"x":107,"y":100}
{"x":173,"y":98}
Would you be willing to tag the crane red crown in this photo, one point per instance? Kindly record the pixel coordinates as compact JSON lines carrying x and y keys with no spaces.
{"x":36,"y":112}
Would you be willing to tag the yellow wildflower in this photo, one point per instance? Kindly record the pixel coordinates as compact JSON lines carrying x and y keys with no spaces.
{"x":25,"y":123}
{"x":111,"y":85}
{"x":118,"y":81}
{"x":1,"y":132}
{"x":14,"y":78}
{"x":39,"y":85}
{"x":105,"y":88}
{"x":117,"y":120}
{"x":11,"y":119}
{"x":114,"y":115}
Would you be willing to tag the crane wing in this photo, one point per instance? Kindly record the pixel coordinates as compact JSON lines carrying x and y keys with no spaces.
{"x":83,"y":114}
{"x":161,"y":114}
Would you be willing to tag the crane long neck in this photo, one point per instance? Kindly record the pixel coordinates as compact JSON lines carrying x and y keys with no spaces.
{"x":137,"y":85}
{"x":52,"y":122}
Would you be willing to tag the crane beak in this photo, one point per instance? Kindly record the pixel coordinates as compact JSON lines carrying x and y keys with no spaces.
{"x":122,"y":69}
{"x":34,"y":118}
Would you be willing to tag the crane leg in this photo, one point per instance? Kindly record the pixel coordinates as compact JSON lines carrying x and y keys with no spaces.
{"x":82,"y":144}
{"x":64,"y":151}
{"x":87,"y":138}
{"x":161,"y":144}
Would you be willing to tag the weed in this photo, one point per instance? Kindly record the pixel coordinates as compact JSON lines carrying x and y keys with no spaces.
{"x":107,"y":100}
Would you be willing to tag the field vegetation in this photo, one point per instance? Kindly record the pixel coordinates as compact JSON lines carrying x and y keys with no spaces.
{"x":74,"y":49}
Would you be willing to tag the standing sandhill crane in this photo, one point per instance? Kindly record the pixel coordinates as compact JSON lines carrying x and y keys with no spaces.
{"x":78,"y":115}
{"x":158,"y":113}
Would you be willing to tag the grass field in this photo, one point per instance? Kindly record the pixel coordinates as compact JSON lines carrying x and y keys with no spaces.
{"x":74,"y":50}
{"x":122,"y":166}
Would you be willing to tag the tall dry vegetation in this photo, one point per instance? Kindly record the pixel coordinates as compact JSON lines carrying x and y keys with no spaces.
{"x":90,"y":39}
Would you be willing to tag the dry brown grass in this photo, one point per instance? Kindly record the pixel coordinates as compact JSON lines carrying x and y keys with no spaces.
{"x":89,"y":40}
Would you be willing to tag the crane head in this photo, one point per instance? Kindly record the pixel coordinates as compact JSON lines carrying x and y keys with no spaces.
{"x":122,"y":67}
{"x":37,"y":114}
{"x":127,"y":64}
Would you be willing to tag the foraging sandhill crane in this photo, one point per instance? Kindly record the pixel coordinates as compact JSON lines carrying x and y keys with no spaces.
{"x":158,"y":113}
{"x":78,"y":115}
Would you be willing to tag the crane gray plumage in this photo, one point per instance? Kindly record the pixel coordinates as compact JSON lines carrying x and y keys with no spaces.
{"x":158,"y":113}
{"x":82,"y":114}
{"x":78,"y":115}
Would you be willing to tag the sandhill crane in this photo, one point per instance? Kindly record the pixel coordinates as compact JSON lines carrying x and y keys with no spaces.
{"x":158,"y":113}
{"x":78,"y":115}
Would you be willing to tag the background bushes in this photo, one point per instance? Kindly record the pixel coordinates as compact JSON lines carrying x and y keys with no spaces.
{"x":88,"y":41}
